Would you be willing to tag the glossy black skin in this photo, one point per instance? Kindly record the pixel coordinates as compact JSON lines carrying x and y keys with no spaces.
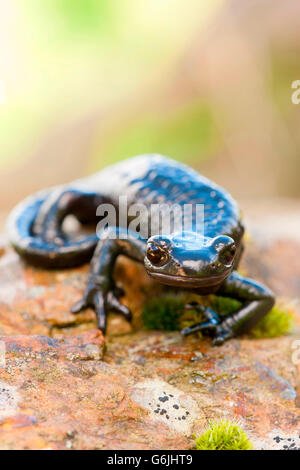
{"x":184,"y":260}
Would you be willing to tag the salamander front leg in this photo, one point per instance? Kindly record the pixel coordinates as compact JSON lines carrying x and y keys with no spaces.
{"x":101,"y":293}
{"x":257,"y":301}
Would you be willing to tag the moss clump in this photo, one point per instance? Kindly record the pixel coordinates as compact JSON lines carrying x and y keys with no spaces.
{"x":225,"y":305}
{"x":168,"y":313}
{"x":277,"y":322}
{"x":163,"y":313}
{"x":223,"y":435}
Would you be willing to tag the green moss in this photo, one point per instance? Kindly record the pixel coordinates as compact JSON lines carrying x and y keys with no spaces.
{"x":163,"y":313}
{"x":223,"y":435}
{"x":225,"y":305}
{"x":189,"y":318}
{"x":168,"y":313}
{"x":278,"y":322}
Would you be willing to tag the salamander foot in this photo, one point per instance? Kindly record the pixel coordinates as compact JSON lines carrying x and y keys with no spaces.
{"x":212,"y":325}
{"x":102,"y":301}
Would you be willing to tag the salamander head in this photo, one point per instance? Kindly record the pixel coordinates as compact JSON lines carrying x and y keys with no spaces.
{"x":190,"y":260}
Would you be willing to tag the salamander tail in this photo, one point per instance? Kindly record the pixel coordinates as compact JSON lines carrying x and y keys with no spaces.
{"x":34,"y":249}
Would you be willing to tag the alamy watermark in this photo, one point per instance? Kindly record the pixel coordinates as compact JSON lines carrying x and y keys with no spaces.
{"x":296,"y":352}
{"x":296,"y":94}
{"x":146,"y":221}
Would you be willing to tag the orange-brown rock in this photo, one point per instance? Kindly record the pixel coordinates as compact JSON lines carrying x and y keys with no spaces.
{"x":60,"y":388}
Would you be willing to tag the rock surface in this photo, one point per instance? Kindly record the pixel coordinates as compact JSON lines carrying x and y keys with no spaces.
{"x":60,"y":388}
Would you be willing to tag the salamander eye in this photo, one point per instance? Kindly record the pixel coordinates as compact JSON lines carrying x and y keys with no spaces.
{"x":226,"y":256}
{"x":156,"y":255}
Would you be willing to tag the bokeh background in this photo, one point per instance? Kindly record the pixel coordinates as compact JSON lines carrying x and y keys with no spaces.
{"x":88,"y":82}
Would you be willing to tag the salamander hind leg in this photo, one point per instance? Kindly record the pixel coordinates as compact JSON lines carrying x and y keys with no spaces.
{"x":257,"y":300}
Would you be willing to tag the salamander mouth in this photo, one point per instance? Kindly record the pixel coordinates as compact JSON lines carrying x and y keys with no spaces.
{"x":185,"y":281}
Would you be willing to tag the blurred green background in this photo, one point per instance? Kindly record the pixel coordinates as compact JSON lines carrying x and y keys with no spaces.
{"x":89,"y":82}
